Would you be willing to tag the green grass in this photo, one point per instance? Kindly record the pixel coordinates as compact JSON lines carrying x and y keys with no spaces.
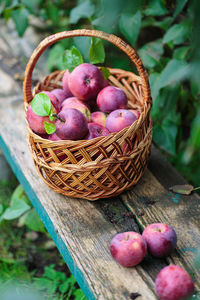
{"x":29,"y":260}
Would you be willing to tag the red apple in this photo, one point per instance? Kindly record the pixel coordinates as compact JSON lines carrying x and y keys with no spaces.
{"x":135,"y":112}
{"x":111,"y":98}
{"x":128,"y":248}
{"x":160,"y":238}
{"x":96,"y":130}
{"x":173,"y":283}
{"x":99,"y":117}
{"x":54,"y":137}
{"x":86,"y":81}
{"x":60,"y":94}
{"x":119,"y":119}
{"x":72,"y":124}
{"x":65,"y":84}
{"x":75,"y":103}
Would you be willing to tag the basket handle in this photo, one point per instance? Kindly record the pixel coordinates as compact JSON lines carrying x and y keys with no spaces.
{"x":27,"y":84}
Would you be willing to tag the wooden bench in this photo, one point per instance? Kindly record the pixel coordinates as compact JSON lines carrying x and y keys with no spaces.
{"x":82,"y":230}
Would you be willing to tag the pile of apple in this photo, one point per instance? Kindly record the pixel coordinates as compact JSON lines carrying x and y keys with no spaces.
{"x":85,"y":108}
{"x":130,"y":248}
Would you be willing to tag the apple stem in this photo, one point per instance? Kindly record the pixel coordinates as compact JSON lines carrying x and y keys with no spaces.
{"x":57,"y":117}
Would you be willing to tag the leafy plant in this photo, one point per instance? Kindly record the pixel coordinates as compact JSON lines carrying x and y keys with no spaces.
{"x":20,"y":208}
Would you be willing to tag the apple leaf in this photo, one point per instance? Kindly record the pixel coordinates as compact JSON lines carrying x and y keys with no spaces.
{"x":49,"y":127}
{"x":129,"y":25}
{"x":72,"y":58}
{"x":20,"y":18}
{"x":41,"y":105}
{"x":184,"y":189}
{"x":96,"y":52}
{"x":83,"y":10}
{"x":105,"y":71}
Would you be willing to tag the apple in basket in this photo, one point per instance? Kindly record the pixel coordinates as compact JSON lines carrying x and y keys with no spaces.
{"x":75,"y":103}
{"x":96,"y":130}
{"x":99,"y":117}
{"x":119,"y":119}
{"x":111,"y":98}
{"x":86,"y":81}
{"x":36,"y":121}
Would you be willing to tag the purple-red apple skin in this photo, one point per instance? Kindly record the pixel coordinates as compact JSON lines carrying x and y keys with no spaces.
{"x":54,"y":137}
{"x":86,"y":81}
{"x":96,"y":130}
{"x":99,"y":117}
{"x":65,"y":84}
{"x":173,"y":283}
{"x":128,"y":248}
{"x":106,"y":83}
{"x":119,"y":119}
{"x":161,"y":239}
{"x":75,"y":103}
{"x":135,"y":112}
{"x":74,"y":127}
{"x":36,"y":122}
{"x":111,"y":98}
{"x":60,"y":94}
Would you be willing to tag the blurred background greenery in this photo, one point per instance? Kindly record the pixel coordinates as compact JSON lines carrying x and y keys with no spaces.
{"x":165,"y":33}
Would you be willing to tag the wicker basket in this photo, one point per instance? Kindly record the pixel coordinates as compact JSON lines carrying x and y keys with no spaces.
{"x":105,"y":166}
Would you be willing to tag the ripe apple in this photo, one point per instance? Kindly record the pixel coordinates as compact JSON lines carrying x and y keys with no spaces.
{"x":65,"y":84}
{"x":111,"y":98}
{"x":160,"y":238}
{"x":72,"y":124}
{"x":60,"y":94}
{"x":135,"y":112}
{"x":74,"y":102}
{"x":128,"y":248}
{"x":96,"y":130}
{"x":36,"y":122}
{"x":99,"y":117}
{"x":173,"y":283}
{"x":119,"y":119}
{"x":86,"y":81}
{"x":54,"y":137}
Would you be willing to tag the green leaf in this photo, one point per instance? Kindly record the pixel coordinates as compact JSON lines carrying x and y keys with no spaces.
{"x":96,"y":52}
{"x":181,"y":52}
{"x":83,"y":43}
{"x":32,"y":221}
{"x":41,"y":105}
{"x":155,"y":8}
{"x":49,"y":127}
{"x":105,"y":71}
{"x":179,"y":7}
{"x":52,"y":12}
{"x":151,"y":53}
{"x":79,"y":295}
{"x":72,"y":58}
{"x":165,"y":136}
{"x":17,"y":208}
{"x":19,"y":193}
{"x":184,"y":189}
{"x":20,"y":18}
{"x":195,"y":132}
{"x":176,"y":70}
{"x":1,"y":208}
{"x":55,"y":57}
{"x":31,"y":5}
{"x":130,"y":26}
{"x":45,"y":284}
{"x":63,"y":288}
{"x":178,"y":33}
{"x":154,"y":80}
{"x":84,"y":10}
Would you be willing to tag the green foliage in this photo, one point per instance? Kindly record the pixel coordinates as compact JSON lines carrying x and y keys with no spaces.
{"x":96,"y":52}
{"x":72,"y":58}
{"x":49,"y":127}
{"x":20,"y":208}
{"x":130,"y":26}
{"x":41,"y":105}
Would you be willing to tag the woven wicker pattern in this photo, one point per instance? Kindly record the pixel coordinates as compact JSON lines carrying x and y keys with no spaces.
{"x":101,"y":167}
